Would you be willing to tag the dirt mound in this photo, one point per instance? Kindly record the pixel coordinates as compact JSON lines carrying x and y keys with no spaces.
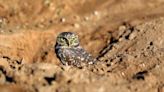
{"x":125,"y":36}
{"x":132,"y":61}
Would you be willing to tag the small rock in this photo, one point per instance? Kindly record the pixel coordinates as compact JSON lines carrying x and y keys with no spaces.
{"x":62,"y":20}
{"x":132,"y":35}
{"x":47,"y":2}
{"x":86,"y":18}
{"x":96,"y":13}
{"x":122,"y":73}
{"x":2,"y":78}
{"x":122,"y":28}
{"x":121,"y":39}
{"x":76,"y":25}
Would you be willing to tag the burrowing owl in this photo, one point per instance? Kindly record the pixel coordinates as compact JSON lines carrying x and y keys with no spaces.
{"x":70,"y":52}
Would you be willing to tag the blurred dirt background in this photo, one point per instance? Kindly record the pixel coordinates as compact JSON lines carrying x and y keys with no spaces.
{"x":126,"y":36}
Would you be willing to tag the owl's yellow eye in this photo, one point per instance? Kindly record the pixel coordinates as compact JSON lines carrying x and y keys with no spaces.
{"x":74,"y":41}
{"x":62,"y":41}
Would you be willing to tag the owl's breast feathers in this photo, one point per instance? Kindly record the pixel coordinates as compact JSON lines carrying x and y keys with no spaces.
{"x":75,"y":56}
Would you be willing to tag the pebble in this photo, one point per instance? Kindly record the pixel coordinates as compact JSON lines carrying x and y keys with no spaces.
{"x":62,"y":20}
{"x":121,"y":39}
{"x":86,"y":18}
{"x":1,"y":20}
{"x":122,"y":28}
{"x":40,"y":25}
{"x":96,"y":13}
{"x":132,"y":35}
{"x":2,"y":31}
{"x":47,"y":2}
{"x":76,"y":25}
{"x":122,"y":73}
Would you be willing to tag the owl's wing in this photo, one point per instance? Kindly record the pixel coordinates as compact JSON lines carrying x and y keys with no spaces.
{"x":61,"y":56}
{"x":75,"y":56}
{"x":83,"y":56}
{"x":68,"y":56}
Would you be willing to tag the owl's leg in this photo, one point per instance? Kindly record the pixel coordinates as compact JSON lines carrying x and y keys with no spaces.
{"x":63,"y":62}
{"x":66,"y":63}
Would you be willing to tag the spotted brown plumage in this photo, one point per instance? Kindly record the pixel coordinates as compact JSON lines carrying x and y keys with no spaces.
{"x":69,"y":51}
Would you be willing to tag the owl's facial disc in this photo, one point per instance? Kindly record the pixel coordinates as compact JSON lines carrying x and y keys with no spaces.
{"x":68,"y":39}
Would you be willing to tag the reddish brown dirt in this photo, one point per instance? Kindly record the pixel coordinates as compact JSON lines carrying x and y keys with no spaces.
{"x":126,"y":36}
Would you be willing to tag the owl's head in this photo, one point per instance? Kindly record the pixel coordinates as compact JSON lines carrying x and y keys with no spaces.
{"x":67,"y":39}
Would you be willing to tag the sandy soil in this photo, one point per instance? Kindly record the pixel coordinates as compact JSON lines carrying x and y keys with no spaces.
{"x":126,"y":36}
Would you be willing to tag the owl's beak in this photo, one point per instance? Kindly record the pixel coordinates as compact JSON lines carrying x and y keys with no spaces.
{"x":68,"y":43}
